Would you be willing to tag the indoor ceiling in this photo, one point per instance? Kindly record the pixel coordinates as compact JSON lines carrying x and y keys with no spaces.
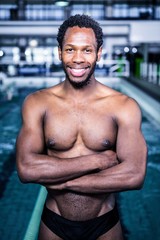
{"x":106,"y":2}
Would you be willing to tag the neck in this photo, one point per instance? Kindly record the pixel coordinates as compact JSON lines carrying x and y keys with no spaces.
{"x":80,"y":93}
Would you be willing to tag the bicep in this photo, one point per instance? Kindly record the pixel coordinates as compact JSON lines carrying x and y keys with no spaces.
{"x":131,"y":146}
{"x":30,"y":138}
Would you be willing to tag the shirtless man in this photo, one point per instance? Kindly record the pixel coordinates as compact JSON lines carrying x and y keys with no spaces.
{"x":82,"y":141}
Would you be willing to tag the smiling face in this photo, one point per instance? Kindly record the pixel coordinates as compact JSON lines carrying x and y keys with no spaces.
{"x":79,"y":55}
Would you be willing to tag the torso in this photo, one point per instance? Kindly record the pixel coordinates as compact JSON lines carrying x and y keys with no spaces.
{"x":73,"y":129}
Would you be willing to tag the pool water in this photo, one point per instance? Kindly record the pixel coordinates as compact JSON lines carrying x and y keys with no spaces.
{"x":16,"y":199}
{"x":139,"y":209}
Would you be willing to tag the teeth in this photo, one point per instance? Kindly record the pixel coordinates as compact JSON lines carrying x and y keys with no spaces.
{"x":77,"y":70}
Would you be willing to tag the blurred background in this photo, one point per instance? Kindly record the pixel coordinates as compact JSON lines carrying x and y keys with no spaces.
{"x":29,"y":61}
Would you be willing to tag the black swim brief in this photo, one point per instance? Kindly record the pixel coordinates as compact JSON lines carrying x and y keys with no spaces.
{"x":79,"y":230}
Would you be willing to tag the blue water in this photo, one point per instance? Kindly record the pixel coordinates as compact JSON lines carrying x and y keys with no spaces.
{"x":16,"y":199}
{"x":139,"y":210}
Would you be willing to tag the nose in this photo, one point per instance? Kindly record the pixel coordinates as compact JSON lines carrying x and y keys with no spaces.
{"x":78,"y":57}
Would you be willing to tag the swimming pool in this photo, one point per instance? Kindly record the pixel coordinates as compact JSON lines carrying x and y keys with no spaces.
{"x":139,"y":209}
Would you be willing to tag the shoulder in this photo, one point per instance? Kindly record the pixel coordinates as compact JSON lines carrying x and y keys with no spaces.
{"x":36,"y":102}
{"x":128,"y":111}
{"x":127,"y":104}
{"x":119,"y":100}
{"x":33,"y":100}
{"x":124,"y":109}
{"x":115,"y":98}
{"x":40,"y":101}
{"x":40,"y":98}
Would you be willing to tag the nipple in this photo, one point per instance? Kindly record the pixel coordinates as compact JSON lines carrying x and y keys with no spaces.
{"x":106,"y":144}
{"x":51,"y":142}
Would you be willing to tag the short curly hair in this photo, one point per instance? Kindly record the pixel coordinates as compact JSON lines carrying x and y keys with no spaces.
{"x":80,"y":21}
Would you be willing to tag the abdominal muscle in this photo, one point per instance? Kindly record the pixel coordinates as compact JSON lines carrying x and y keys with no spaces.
{"x":77,"y":206}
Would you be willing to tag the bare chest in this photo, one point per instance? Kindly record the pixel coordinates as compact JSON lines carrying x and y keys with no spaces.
{"x":79,"y":128}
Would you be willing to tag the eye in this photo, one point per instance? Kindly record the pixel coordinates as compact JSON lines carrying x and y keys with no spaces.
{"x":69,"y":50}
{"x":88,"y":50}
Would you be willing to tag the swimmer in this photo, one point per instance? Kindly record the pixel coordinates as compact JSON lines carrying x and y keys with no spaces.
{"x":81,"y":140}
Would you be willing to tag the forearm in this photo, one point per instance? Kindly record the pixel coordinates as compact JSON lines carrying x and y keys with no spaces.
{"x":48,"y":169}
{"x":44,"y":169}
{"x":114,"y":179}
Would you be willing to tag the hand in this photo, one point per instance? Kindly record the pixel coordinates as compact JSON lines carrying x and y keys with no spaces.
{"x":108,"y":159}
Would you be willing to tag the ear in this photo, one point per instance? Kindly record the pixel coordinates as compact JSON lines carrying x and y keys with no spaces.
{"x":60,"y":53}
{"x":99,"y":54}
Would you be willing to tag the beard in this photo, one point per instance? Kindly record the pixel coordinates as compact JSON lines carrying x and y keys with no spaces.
{"x":81,"y":84}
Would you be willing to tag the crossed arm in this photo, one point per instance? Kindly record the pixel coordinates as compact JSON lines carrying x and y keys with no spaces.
{"x":94,"y":173}
{"x":34,"y":165}
{"x":128,"y":174}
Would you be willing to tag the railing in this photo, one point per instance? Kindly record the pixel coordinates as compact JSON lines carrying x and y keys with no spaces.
{"x":7,"y":89}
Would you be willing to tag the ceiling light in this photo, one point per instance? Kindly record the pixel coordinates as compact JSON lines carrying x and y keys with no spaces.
{"x":61,"y":3}
{"x":1,"y":53}
{"x":33,"y":43}
{"x":134,"y":50}
{"x":126,"y":49}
